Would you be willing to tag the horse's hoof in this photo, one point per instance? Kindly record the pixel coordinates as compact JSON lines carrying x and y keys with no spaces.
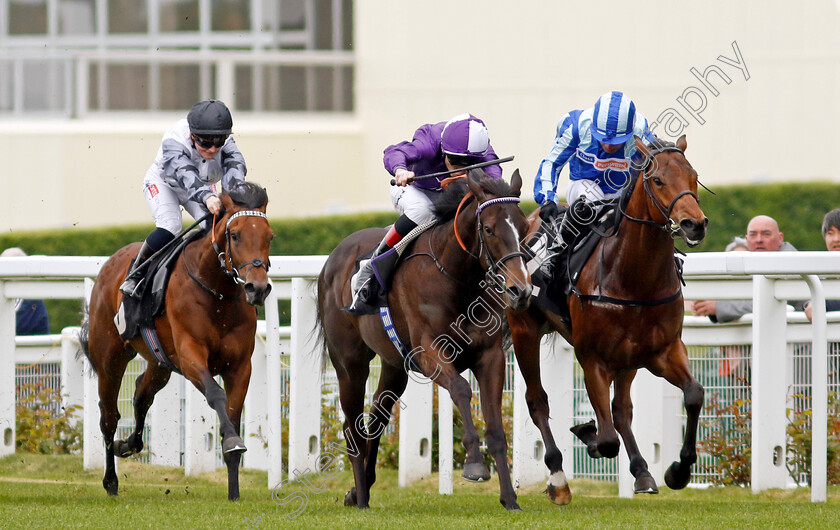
{"x":111,"y":486}
{"x":609,"y":449}
{"x":233,"y":444}
{"x":350,"y":497}
{"x":124,"y":449}
{"x":585,"y":431}
{"x":559,"y":495}
{"x":592,"y":451}
{"x":513,"y":507}
{"x":476,"y":472}
{"x":645,"y":484}
{"x":676,"y":478}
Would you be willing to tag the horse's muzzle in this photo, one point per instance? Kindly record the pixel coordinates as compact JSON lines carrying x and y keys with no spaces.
{"x":518,"y":298}
{"x":256,"y":292}
{"x":693,"y":232}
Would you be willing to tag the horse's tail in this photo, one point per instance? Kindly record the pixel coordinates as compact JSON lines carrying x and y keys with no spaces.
{"x":317,"y":331}
{"x":84,"y":336}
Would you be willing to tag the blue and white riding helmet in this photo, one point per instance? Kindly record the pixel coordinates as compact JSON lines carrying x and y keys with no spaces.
{"x":613,"y":119}
{"x":465,"y":135}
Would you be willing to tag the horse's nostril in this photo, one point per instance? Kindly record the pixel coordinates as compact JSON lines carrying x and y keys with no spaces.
{"x":688,"y":224}
{"x":513,"y":292}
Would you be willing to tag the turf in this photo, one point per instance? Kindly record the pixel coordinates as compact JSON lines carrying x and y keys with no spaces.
{"x":55,"y":492}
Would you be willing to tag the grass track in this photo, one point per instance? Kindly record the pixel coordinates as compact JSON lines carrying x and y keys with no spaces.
{"x":54,"y":492}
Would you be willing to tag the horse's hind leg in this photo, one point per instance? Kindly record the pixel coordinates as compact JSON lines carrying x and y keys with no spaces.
{"x":110,"y":373}
{"x":392,"y":382}
{"x":622,"y":408}
{"x":490,"y":372}
{"x":351,"y":394}
{"x":147,"y":385}
{"x":526,"y":338}
{"x":675,"y":371}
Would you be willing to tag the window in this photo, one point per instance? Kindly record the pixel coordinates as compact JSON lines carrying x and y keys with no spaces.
{"x":136,"y":55}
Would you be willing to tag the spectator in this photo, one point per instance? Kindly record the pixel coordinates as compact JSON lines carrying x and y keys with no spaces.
{"x":31,"y":315}
{"x":737,"y":244}
{"x":763,"y":235}
{"x":831,"y":234}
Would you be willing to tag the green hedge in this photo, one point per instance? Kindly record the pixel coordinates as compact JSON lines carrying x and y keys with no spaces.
{"x":799,"y":208}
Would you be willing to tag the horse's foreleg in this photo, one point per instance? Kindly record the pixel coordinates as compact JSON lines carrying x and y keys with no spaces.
{"x":604,"y":441}
{"x":490,"y":372}
{"x":147,"y":385}
{"x":475,"y":469}
{"x":622,"y":408}
{"x":236,"y":386}
{"x":676,"y":372}
{"x":392,"y":383}
{"x":526,"y":340}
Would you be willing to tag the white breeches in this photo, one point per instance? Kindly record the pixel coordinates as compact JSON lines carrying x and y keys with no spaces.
{"x":416,"y":203}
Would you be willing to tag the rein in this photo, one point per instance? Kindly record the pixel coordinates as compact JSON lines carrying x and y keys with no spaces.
{"x":670,"y":226}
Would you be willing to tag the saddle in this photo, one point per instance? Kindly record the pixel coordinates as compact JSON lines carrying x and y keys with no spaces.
{"x":139,"y":312}
{"x":555,"y":267}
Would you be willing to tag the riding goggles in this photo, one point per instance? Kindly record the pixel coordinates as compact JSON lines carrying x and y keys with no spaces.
{"x":210,"y":141}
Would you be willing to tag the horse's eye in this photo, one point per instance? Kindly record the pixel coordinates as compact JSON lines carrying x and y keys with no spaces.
{"x":234,"y":236}
{"x":488,"y":230}
{"x":657,"y":181}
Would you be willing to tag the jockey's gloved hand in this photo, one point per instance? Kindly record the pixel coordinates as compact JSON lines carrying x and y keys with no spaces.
{"x":548,"y":211}
{"x":402,"y":176}
{"x":214,"y":204}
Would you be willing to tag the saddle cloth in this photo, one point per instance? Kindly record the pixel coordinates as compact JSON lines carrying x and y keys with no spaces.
{"x":140,"y":312}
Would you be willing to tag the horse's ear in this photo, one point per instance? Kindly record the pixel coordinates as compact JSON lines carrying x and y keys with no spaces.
{"x":516,"y":183}
{"x":474,"y":184}
{"x":227,"y":202}
{"x":681,"y":143}
{"x":643,"y":149}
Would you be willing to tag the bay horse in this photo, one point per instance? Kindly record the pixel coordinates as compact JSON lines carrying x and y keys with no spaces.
{"x":627,"y":314}
{"x":446,"y":314}
{"x":208,"y":327}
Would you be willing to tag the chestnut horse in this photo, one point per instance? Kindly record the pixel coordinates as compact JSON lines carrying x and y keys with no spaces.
{"x":447,"y":307}
{"x":207,"y":329}
{"x":628,"y":315}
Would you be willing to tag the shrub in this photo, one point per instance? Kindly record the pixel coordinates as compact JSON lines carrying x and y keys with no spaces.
{"x":43,"y":426}
{"x":728,"y":442}
{"x":799,"y":441}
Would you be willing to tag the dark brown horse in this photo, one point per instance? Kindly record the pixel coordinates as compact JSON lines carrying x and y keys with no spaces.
{"x":628,"y":316}
{"x":447,"y":307}
{"x":207,"y":329}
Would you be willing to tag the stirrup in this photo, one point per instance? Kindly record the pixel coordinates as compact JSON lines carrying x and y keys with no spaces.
{"x":130,"y":287}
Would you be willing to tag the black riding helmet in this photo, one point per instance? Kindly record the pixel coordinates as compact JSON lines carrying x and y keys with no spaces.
{"x":210,"y":117}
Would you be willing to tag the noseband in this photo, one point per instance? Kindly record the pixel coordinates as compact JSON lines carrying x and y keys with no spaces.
{"x":224,"y":257}
{"x":670,"y":226}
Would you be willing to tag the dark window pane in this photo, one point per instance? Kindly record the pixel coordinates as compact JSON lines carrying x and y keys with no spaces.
{"x":292,"y":14}
{"x":178,"y":15}
{"x":27,"y":17}
{"x":244,"y":86}
{"x":292,"y":88}
{"x":127,"y":16}
{"x":179,"y":86}
{"x":128,"y":87}
{"x":231,"y":15}
{"x":77,"y":17}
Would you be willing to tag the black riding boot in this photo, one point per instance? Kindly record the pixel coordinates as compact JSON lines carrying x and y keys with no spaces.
{"x":364,"y":284}
{"x":579,"y":214}
{"x":129,"y":286}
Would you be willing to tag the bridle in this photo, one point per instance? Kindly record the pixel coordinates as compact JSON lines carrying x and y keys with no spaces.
{"x":225,"y":259}
{"x":483,"y":250}
{"x":670,"y":226}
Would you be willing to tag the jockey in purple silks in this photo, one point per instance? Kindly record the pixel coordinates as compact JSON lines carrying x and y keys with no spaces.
{"x":436,"y":147}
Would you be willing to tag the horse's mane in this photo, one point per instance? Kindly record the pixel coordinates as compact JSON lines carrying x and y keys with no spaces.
{"x":655,"y":145}
{"x":249,"y":195}
{"x":660,"y":143}
{"x":447,"y":204}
